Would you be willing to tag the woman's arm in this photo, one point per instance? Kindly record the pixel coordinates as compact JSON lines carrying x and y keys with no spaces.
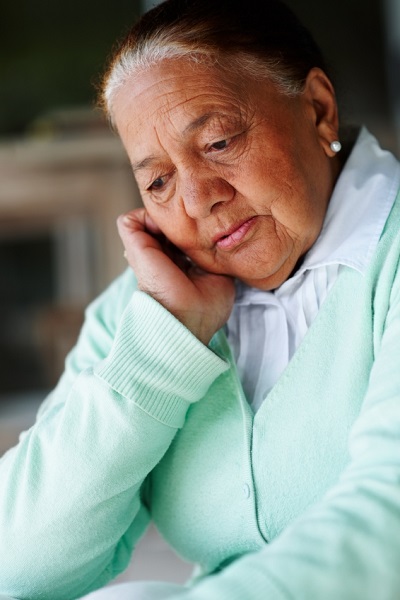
{"x":70,"y":507}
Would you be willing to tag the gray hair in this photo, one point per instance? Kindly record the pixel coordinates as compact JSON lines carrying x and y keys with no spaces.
{"x":265,"y":40}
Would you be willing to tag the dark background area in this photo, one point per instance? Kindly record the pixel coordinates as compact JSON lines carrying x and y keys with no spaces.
{"x":52,"y":54}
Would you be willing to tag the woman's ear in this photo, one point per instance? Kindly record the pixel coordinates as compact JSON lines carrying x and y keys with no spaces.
{"x":320,"y":94}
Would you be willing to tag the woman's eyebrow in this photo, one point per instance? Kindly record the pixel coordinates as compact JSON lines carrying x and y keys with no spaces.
{"x":199,"y":122}
{"x":192,"y":126}
{"x":203,"y":119}
{"x":145,"y":163}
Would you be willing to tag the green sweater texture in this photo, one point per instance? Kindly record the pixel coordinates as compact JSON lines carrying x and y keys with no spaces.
{"x":298,"y":501}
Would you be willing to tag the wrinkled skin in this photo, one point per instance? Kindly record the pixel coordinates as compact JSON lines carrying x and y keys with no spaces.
{"x":235,"y":179}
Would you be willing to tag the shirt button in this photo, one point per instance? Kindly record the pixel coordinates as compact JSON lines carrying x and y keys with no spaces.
{"x":246,"y":491}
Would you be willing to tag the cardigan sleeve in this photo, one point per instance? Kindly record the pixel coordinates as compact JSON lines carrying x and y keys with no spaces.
{"x":70,"y":504}
{"x":347,"y":545}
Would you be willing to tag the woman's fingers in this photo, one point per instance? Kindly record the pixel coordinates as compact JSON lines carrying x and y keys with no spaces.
{"x":201,"y":301}
{"x":137,"y":230}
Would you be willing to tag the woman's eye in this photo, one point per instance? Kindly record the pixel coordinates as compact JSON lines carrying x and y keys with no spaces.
{"x":157,"y":184}
{"x":221,"y":145}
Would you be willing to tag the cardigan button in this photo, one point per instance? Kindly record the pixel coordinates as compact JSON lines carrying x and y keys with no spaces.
{"x":246,"y":490}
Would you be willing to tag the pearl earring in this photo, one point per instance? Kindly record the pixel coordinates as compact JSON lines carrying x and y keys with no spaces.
{"x":336,"y":146}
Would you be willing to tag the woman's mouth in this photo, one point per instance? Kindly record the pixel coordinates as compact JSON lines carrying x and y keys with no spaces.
{"x":234,"y":236}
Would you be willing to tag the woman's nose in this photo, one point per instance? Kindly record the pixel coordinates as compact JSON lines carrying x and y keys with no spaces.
{"x":201,"y":194}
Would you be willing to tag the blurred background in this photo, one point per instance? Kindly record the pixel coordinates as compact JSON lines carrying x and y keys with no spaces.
{"x":64,"y":176}
{"x":63,"y":179}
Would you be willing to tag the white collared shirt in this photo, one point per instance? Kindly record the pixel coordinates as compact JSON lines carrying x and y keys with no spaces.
{"x":276,"y":322}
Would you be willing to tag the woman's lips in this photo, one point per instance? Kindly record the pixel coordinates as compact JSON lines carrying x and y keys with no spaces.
{"x":235,"y":236}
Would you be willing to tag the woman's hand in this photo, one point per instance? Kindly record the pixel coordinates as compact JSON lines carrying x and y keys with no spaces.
{"x":201,"y":301}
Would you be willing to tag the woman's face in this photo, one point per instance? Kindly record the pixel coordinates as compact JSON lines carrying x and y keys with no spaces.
{"x":235,"y":174}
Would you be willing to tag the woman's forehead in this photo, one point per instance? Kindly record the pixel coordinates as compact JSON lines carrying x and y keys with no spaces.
{"x":180,"y":92}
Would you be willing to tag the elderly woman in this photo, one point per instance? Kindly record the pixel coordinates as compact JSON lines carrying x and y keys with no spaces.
{"x":239,"y":384}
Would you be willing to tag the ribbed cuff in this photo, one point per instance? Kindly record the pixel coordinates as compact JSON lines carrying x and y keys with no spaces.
{"x":158,"y":363}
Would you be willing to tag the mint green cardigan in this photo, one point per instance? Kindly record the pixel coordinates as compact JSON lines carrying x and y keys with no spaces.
{"x":300,"y":501}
